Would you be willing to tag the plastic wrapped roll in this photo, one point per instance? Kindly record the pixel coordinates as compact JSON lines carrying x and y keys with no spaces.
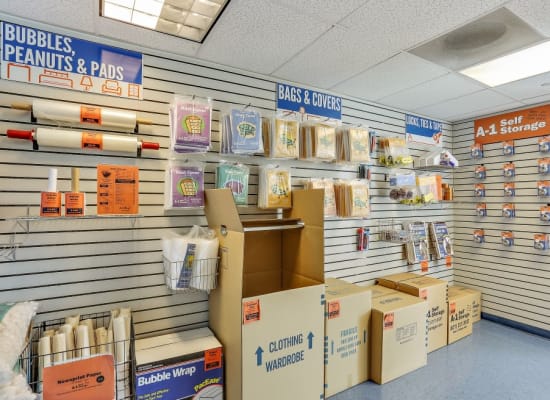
{"x":82,"y":341}
{"x":45,"y":357}
{"x":83,"y":114}
{"x":67,"y":330}
{"x":91,"y":335}
{"x":59,"y":348}
{"x":101,"y":340}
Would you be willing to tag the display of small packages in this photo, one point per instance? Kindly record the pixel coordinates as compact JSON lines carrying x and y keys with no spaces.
{"x":429,"y":188}
{"x":544,"y":214}
{"x":117,"y":190}
{"x":441,"y":239}
{"x":241,"y":130}
{"x":281,"y":136}
{"x":180,"y":365}
{"x":544,"y":166}
{"x":507,"y":238}
{"x":330,"y":197}
{"x":274,"y":187}
{"x":235,"y":177}
{"x":508,"y":148}
{"x":543,"y":188}
{"x":481,"y":209}
{"x":352,"y":198}
{"x":417,"y":246}
{"x":508,"y":210}
{"x":541,"y":241}
{"x":476,"y":151}
{"x":190,"y":124}
{"x":317,"y":141}
{"x":480,"y":172}
{"x":509,"y":189}
{"x":394,"y":152}
{"x":403,"y":186}
{"x":479,"y":236}
{"x":353,"y":144}
{"x":509,"y":170}
{"x":544,"y":144}
{"x":73,"y":352}
{"x":184,"y":185}
{"x":479,"y":190}
{"x":191,"y":260}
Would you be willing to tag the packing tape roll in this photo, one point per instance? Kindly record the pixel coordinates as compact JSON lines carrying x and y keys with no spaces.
{"x":67,"y":112}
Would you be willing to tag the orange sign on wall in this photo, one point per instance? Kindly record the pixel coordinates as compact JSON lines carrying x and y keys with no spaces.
{"x":521,"y":124}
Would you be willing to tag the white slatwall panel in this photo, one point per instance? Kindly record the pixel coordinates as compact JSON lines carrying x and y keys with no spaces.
{"x":515,"y":281}
{"x":92,"y":265}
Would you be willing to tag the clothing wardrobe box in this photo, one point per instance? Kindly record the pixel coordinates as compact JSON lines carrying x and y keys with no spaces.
{"x":460,"y":315}
{"x":347,"y":319}
{"x":183,"y":365}
{"x":391,"y":281}
{"x":476,"y":300}
{"x":434,"y":291}
{"x":268,"y":309}
{"x":398,"y":336}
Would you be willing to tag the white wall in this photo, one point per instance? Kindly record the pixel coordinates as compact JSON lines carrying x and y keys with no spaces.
{"x":93,"y":265}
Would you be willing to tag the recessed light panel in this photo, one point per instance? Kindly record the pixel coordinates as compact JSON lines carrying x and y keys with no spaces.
{"x":188,"y":19}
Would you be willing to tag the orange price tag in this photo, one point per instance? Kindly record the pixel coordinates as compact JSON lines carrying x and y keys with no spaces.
{"x":212,"y":359}
{"x":388,"y":321}
{"x":92,"y":141}
{"x":251,"y":311}
{"x":449,"y":261}
{"x":424,"y":266}
{"x":90,"y":115}
{"x":424,"y":294}
{"x":452,"y":307}
{"x":333,"y":309}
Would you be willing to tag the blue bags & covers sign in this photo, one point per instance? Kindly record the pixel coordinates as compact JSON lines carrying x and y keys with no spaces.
{"x":45,"y":58}
{"x":306,"y":101}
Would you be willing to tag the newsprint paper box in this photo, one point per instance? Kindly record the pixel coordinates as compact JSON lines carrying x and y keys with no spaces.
{"x":268,"y":309}
{"x":346,"y":335}
{"x":178,"y":366}
{"x":398,"y":336}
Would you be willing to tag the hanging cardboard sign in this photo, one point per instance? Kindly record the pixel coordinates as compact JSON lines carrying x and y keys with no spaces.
{"x":521,"y":124}
{"x":308,"y":102}
{"x":423,"y":130}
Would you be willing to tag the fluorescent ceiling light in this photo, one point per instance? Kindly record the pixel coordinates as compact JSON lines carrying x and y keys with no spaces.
{"x":188,"y":19}
{"x":512,"y":67}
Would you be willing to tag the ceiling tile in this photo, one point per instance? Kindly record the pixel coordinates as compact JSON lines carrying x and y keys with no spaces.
{"x":259,"y":35}
{"x":470,"y":103}
{"x":400,"y":72}
{"x":534,"y":12}
{"x":435,"y":91}
{"x":325,"y":10}
{"x":525,"y":88}
{"x":376,"y":32}
{"x":536,"y":100}
{"x":486,"y":112}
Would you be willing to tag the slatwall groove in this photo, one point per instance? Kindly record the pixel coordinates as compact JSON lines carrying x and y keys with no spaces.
{"x":92,"y":265}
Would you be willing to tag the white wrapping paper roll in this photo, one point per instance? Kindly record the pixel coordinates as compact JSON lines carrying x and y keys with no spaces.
{"x":52,"y":180}
{"x":67,"y":112}
{"x":122,"y":344}
{"x":67,"y":330}
{"x":82,"y":342}
{"x":59,"y":348}
{"x":110,"y":341}
{"x":101,"y":340}
{"x":45,"y":357}
{"x":91,"y":335}
{"x":73,"y":140}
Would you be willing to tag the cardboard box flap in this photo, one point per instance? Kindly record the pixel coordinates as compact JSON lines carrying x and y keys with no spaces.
{"x":308,"y":205}
{"x":391,"y":281}
{"x":392,"y":302}
{"x":378,"y":290}
{"x":422,"y":282}
{"x":338,"y":290}
{"x":220,"y":209}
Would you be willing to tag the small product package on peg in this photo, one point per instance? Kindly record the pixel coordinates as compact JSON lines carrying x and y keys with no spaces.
{"x":479,"y":190}
{"x":544,"y":213}
{"x":274,"y":189}
{"x":235,"y":177}
{"x":403,"y":186}
{"x":352,"y":144}
{"x":541,"y":241}
{"x":317,"y":141}
{"x":476,"y":151}
{"x":281,"y":134}
{"x":508,"y":148}
{"x":241,"y":130}
{"x":184,"y":185}
{"x":509,"y":189}
{"x":543,"y":188}
{"x":544,"y":166}
{"x":509,"y":170}
{"x":327,"y":185}
{"x":480,"y":172}
{"x":544,"y":144}
{"x":352,"y":198}
{"x":479,"y":236}
{"x":507,"y":238}
{"x":394,"y":152}
{"x":481,"y":209}
{"x":190,"y":124}
{"x":508,"y":210}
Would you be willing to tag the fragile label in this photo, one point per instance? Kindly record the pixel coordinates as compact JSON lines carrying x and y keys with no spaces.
{"x":251,"y":311}
{"x":90,"y":115}
{"x":333,"y":309}
{"x":212,"y":359}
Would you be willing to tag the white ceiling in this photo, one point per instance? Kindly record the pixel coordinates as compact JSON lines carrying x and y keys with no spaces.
{"x":350,"y":47}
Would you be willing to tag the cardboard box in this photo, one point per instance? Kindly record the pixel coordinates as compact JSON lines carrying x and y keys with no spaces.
{"x":460,"y":315}
{"x":177,"y":366}
{"x":347,"y":319}
{"x":476,"y":300}
{"x":398,"y":336}
{"x":378,"y":290}
{"x":391,"y":281}
{"x":434,"y":291}
{"x":268,"y":310}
